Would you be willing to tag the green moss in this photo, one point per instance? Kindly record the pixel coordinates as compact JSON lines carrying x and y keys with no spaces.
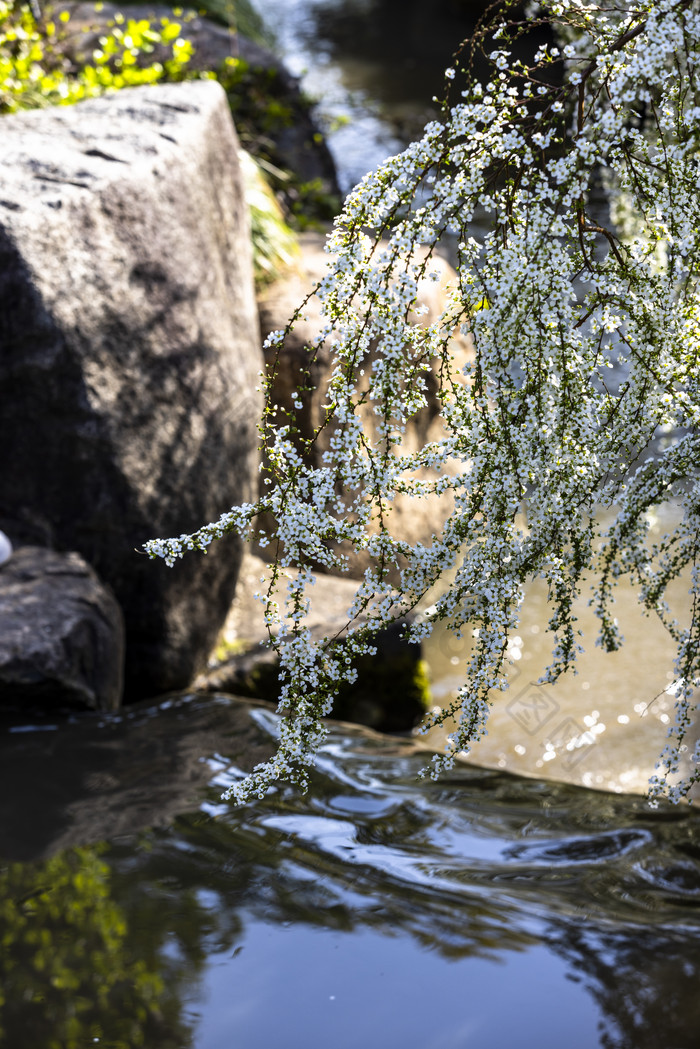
{"x":226,"y":649}
{"x":240,"y":15}
{"x":391,"y":694}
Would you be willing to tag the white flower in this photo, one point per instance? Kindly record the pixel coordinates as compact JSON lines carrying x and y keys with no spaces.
{"x":586,"y":341}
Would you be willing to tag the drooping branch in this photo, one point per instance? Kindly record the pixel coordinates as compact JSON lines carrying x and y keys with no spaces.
{"x":584,"y":333}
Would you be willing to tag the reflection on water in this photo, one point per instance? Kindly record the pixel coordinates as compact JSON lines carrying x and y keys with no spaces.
{"x":603,"y":727}
{"x":372,"y":69}
{"x":377,"y":910}
{"x":70,"y":959}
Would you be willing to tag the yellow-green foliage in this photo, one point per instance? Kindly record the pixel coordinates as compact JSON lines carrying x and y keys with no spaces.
{"x":66,"y":962}
{"x":261,"y":105}
{"x":226,"y":649}
{"x":35,"y":72}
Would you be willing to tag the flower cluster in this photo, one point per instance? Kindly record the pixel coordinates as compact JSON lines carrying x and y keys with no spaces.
{"x":582,"y":303}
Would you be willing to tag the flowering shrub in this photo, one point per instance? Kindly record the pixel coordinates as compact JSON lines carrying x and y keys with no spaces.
{"x":586,"y":334}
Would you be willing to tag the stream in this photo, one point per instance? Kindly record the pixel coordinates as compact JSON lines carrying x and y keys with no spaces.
{"x":508,"y":906}
{"x":372,"y":74}
{"x":603,"y":726}
{"x":487,"y":909}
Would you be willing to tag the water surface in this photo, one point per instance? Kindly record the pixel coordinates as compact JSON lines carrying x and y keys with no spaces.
{"x":373,"y":68}
{"x":379,"y":910}
{"x":602,"y":725}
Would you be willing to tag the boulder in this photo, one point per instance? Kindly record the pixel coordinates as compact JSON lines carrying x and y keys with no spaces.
{"x":130,"y":353}
{"x":391,"y":693}
{"x":61,"y":632}
{"x":412,"y":520}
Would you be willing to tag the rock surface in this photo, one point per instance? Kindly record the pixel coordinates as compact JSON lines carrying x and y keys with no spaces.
{"x":130,"y":353}
{"x":61,"y":632}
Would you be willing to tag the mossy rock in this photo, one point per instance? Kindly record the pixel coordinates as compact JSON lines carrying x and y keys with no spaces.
{"x":391,"y":693}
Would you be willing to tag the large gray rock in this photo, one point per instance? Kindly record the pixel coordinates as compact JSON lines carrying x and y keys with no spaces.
{"x":130,"y":353}
{"x":61,"y":632}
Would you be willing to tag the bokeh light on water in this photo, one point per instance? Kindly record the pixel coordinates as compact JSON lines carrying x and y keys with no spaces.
{"x":602,"y":727}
